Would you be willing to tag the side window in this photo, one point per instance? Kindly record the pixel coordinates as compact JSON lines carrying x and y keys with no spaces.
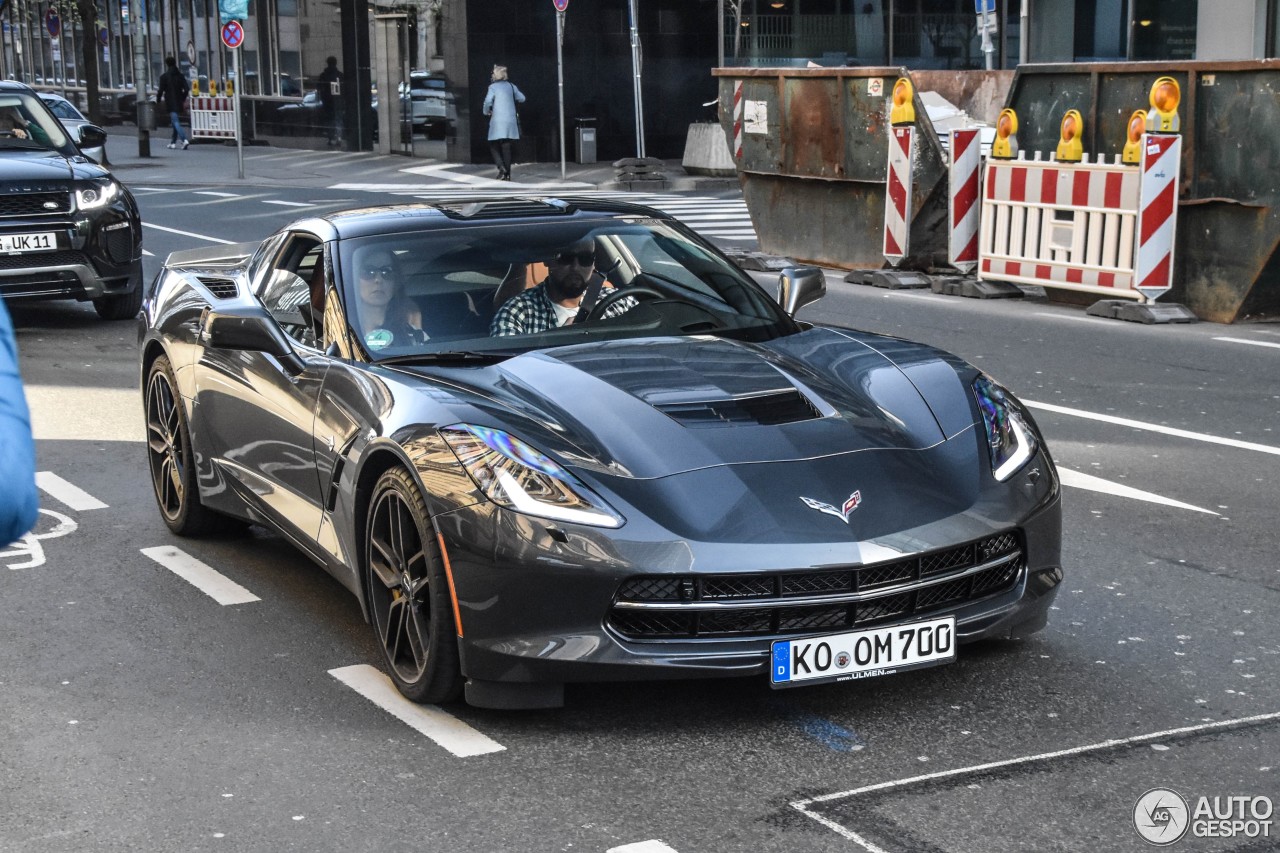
{"x":287,"y":293}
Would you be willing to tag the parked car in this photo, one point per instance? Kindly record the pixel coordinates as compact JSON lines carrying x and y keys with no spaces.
{"x":431,"y":103}
{"x":687,"y":482}
{"x":72,"y":119}
{"x":68,"y":228}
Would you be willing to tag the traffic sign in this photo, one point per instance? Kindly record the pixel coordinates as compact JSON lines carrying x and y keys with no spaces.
{"x":52,"y":22}
{"x":561,"y":5}
{"x":232,"y":34}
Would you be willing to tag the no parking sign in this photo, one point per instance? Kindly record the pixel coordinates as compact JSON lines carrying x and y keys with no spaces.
{"x":232,"y":34}
{"x":52,"y":22}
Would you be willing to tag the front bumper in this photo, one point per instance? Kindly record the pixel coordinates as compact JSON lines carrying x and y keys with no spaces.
{"x":98,"y":255}
{"x":543,"y":613}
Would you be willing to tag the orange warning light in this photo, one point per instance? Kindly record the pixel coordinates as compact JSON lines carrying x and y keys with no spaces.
{"x":1133,"y":143}
{"x":1165,"y":97}
{"x":1005,"y":146}
{"x":903,"y":110}
{"x":1070,"y":145}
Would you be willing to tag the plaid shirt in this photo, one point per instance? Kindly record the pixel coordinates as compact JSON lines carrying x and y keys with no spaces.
{"x":531,"y":311}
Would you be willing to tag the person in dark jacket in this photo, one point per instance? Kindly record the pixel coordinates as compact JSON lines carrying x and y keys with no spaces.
{"x":330,"y":91}
{"x":173,"y":94}
{"x":19,"y":502}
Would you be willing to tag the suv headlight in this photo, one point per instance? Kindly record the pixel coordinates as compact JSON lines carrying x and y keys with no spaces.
{"x":98,"y":194}
{"x":515,"y":475}
{"x":1011,"y":441}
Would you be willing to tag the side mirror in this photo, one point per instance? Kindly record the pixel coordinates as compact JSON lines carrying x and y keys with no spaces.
{"x":251,"y":329}
{"x":800,"y":286}
{"x":92,"y":136}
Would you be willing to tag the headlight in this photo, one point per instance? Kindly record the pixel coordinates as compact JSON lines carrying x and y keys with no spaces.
{"x":97,"y":195}
{"x":514,"y":475}
{"x":1011,"y":442}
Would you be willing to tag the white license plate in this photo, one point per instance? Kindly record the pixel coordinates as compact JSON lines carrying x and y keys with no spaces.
{"x":45,"y":241}
{"x":863,"y":654}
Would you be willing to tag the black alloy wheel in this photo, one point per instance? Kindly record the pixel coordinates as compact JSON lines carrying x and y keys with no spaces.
{"x":173,"y":470}
{"x":408,"y":593}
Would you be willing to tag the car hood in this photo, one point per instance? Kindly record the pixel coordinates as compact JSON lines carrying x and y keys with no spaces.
{"x":36,"y":169}
{"x":660,"y":406}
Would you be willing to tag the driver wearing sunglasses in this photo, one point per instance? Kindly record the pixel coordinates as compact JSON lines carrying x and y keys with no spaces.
{"x":382,"y":313}
{"x":558,"y":299}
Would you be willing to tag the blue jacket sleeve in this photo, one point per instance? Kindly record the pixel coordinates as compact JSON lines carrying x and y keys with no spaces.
{"x":18,"y":499}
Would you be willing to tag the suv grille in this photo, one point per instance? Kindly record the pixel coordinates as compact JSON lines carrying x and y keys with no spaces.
{"x":766,"y":604}
{"x":34,"y":204}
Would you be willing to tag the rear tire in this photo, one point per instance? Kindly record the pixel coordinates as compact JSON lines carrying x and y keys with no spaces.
{"x":120,"y":306}
{"x":409,"y":595}
{"x":172,"y":461}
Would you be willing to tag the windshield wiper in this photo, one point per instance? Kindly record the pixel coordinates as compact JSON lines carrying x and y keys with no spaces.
{"x":450,"y":357}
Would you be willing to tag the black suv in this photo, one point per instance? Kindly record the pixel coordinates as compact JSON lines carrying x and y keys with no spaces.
{"x":68,"y":228}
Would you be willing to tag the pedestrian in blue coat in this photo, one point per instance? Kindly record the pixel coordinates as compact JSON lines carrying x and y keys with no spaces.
{"x":18,"y":500}
{"x":504,"y":121}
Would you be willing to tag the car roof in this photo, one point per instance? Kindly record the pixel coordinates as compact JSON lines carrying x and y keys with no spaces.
{"x":14,"y":86}
{"x":514,"y":211}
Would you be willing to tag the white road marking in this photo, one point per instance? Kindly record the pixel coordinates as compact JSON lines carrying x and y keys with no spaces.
{"x":1164,"y":430}
{"x":1097,"y":484}
{"x":216,"y":193}
{"x":1070,"y":317}
{"x":802,"y":806}
{"x":82,"y":413}
{"x":1249,"y":342}
{"x":217,"y":586}
{"x":189,"y":234}
{"x":653,"y":845}
{"x":286,"y":203}
{"x":73,"y":496}
{"x":148,"y":254}
{"x":28,"y":545}
{"x":445,"y":729}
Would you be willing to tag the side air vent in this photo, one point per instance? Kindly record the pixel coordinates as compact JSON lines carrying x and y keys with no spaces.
{"x":507,"y":209}
{"x":765,"y":410}
{"x":220,"y":288}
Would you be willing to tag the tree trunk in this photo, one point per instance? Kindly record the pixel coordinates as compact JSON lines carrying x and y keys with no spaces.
{"x":88,"y":12}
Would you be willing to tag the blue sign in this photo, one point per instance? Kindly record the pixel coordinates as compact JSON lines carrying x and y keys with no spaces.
{"x":52,"y":22}
{"x":983,"y":7}
{"x":233,"y":10}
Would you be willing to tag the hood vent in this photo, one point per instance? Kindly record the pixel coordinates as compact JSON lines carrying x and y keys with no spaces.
{"x":783,"y":407}
{"x":221,"y":288}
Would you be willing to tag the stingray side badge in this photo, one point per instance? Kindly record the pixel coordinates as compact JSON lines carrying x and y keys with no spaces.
{"x":850,"y":504}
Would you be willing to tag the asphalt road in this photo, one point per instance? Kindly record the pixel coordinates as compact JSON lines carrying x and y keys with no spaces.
{"x":138,"y":713}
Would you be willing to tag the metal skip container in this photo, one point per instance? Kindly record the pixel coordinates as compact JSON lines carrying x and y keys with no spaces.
{"x":810,"y":146}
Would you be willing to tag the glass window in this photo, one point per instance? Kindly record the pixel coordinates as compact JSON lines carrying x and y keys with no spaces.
{"x":1164,"y":29}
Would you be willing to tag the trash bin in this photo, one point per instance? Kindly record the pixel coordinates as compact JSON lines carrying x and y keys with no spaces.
{"x":586,"y":140}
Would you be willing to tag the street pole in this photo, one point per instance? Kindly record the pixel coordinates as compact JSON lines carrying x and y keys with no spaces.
{"x":1024,"y":34}
{"x":143,"y":107}
{"x":635,"y":68}
{"x":560,"y":80}
{"x":235,"y":101}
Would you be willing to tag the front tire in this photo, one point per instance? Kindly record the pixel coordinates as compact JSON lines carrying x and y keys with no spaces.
{"x":408,"y":593}
{"x":120,"y":306}
{"x":172,"y":461}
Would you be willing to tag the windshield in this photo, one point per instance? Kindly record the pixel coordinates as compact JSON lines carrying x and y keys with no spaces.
{"x":504,"y":288}
{"x":25,"y":122}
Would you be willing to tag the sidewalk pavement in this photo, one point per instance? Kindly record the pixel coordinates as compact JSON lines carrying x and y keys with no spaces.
{"x":209,"y":162}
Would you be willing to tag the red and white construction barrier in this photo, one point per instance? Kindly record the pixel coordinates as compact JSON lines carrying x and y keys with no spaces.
{"x":1158,"y":217}
{"x":963,"y":204}
{"x":1068,"y":225}
{"x":897,"y":203}
{"x":213,"y":117}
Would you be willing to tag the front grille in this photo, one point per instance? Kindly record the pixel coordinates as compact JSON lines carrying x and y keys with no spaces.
{"x":767,"y":604}
{"x":119,"y":245}
{"x":35,"y":204}
{"x":34,"y":260}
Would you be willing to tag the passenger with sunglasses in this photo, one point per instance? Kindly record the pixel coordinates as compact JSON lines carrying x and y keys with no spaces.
{"x":378,"y":283}
{"x":558,"y":299}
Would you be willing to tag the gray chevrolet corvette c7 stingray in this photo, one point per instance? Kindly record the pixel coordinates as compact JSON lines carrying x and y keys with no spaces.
{"x":673,"y":479}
